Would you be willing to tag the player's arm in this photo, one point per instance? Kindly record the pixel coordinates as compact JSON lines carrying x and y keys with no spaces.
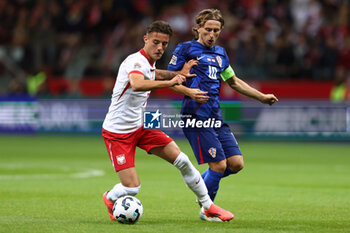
{"x":178,"y":62}
{"x":193,"y":93}
{"x":185,"y":71}
{"x":139,"y":83}
{"x":245,"y":89}
{"x":165,"y":74}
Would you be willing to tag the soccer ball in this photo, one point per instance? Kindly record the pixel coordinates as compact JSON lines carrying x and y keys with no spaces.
{"x":127,"y":209}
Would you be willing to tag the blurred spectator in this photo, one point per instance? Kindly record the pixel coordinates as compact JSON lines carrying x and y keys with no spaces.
{"x":75,"y":39}
{"x":325,"y":66}
{"x":35,"y":83}
{"x":5,"y":78}
{"x":17,"y":88}
{"x":285,"y":62}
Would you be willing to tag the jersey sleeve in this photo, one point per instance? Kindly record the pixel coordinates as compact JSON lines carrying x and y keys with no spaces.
{"x":228,"y":72}
{"x":178,"y":59}
{"x":135,"y":66}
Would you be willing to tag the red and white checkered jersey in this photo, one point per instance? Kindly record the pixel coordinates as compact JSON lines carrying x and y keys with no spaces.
{"x":126,"y":109}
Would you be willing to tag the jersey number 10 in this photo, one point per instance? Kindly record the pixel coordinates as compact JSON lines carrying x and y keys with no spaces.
{"x":212,"y":72}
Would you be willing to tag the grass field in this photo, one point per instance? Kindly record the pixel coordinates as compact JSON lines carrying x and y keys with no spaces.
{"x":55,"y":184}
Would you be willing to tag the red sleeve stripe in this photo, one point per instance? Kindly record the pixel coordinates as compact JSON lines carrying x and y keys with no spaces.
{"x":136,"y":72}
{"x":125,"y":88}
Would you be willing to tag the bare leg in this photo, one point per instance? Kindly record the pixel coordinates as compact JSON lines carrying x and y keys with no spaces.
{"x":128,"y":177}
{"x":129,"y":184}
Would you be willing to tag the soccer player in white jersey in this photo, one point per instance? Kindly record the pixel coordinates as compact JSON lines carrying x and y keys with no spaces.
{"x":122,"y":127}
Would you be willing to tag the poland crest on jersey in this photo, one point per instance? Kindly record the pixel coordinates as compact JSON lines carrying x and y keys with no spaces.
{"x":121,"y":159}
{"x":212,"y":152}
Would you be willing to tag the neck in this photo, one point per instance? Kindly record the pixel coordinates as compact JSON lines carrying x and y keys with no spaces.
{"x":145,"y":53}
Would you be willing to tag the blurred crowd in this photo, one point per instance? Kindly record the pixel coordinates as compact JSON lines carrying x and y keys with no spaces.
{"x":75,"y":39}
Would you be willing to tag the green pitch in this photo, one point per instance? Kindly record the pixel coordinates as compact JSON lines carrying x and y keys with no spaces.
{"x":55,"y":184}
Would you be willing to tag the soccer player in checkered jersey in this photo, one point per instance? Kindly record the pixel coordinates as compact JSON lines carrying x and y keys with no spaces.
{"x":123,"y":131}
{"x":215,"y":146}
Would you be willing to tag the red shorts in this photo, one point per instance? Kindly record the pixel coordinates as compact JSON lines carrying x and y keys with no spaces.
{"x":121,"y":147}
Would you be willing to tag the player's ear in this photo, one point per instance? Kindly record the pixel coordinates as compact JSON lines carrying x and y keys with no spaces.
{"x":145,"y":38}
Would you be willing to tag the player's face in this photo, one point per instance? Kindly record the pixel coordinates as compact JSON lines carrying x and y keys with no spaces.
{"x":209,"y":33}
{"x":155,"y":45}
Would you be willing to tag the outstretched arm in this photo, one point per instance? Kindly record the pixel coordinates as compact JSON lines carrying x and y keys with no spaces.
{"x":138,"y":82}
{"x":185,"y":71}
{"x":165,"y":74}
{"x":243,"y":88}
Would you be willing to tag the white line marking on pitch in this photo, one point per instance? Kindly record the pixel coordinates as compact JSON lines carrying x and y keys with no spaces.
{"x":88,"y":174}
{"x":78,"y":175}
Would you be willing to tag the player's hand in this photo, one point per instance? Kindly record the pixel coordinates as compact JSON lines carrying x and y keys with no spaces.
{"x":185,"y":71}
{"x":198,"y":95}
{"x":177,"y":80}
{"x":269,"y":99}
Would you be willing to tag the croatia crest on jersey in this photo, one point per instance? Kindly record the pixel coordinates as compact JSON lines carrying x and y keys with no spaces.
{"x":219,"y":60}
{"x":212,"y":152}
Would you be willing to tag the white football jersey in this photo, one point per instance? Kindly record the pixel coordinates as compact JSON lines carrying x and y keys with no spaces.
{"x":126,"y":109}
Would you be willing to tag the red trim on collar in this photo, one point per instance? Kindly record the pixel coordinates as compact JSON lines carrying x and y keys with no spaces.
{"x":144,"y":54}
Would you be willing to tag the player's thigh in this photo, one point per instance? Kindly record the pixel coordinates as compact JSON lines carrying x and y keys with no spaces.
{"x":228,"y":141}
{"x":205,"y":145}
{"x":231,"y":149}
{"x":157,"y":142}
{"x":168,"y":152}
{"x":121,"y":149}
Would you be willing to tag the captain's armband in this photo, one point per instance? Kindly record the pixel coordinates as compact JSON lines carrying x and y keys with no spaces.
{"x":227,"y":73}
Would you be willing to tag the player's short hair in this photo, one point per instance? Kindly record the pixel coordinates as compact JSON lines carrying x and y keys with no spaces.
{"x":160,"y":26}
{"x":204,"y":16}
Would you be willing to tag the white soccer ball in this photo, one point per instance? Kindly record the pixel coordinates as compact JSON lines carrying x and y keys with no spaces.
{"x":127,"y":209}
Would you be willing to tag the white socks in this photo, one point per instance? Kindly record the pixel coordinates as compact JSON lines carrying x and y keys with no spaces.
{"x":119,"y":190}
{"x":193,"y":179}
{"x":189,"y":173}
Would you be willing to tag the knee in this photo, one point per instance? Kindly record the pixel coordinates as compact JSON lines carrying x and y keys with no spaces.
{"x":218,"y":166}
{"x":236,"y":165}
